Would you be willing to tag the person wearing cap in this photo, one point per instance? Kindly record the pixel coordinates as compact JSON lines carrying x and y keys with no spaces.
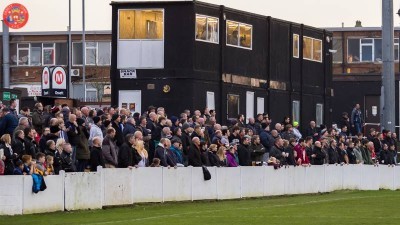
{"x":296,"y":130}
{"x":231,"y":155}
{"x":95,"y":130}
{"x":244,"y":151}
{"x":176,"y":149}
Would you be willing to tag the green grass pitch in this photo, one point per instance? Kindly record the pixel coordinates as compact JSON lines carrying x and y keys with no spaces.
{"x":339,"y":208}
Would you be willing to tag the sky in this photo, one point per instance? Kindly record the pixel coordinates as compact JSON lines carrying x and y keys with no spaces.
{"x":52,"y":15}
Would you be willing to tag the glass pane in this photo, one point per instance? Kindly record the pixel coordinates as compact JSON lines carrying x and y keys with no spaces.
{"x":232,"y":35}
{"x":245,"y":35}
{"x":126,"y":24}
{"x":77,"y":54}
{"x":296,"y":111}
{"x":201,"y":32}
{"x":319,"y":114}
{"x":36,"y":54}
{"x":338,"y":46}
{"x":353,"y":54}
{"x":48,"y":45}
{"x":148,"y":24}
{"x":23,"y":58}
{"x":23,"y":45}
{"x":61,"y":53}
{"x":378,"y":50}
{"x":317,"y":50}
{"x":13,"y":54}
{"x":90,"y":56}
{"x":396,"y":40}
{"x":233,"y":106}
{"x":90,"y":44}
{"x":48,"y":56}
{"x":366,"y":41}
{"x":396,"y":52}
{"x":91,"y":96}
{"x":307,"y":48}
{"x":104,"y":53}
{"x":213,"y":27}
{"x":366,"y":53}
{"x":296,"y":45}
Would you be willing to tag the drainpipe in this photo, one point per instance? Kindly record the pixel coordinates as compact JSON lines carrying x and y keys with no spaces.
{"x":6,"y":56}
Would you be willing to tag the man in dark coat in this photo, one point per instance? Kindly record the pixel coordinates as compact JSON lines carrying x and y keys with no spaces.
{"x":333,"y":153}
{"x":129,"y":127}
{"x":194,"y":153}
{"x":244,"y":152}
{"x":31,"y":147}
{"x":277,"y":151}
{"x":163,"y":153}
{"x":318,"y":155}
{"x":96,"y":155}
{"x":37,"y":118}
{"x":119,"y":136}
{"x":127,"y":156}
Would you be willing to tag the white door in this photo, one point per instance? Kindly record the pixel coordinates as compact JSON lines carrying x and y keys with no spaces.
{"x":210,"y":100}
{"x":260,"y":105}
{"x":249,"y":105}
{"x":131,"y":100}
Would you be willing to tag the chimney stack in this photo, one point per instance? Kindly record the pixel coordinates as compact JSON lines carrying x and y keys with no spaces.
{"x":358,"y":23}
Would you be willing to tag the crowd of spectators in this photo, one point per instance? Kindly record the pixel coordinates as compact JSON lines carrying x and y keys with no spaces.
{"x":55,"y":138}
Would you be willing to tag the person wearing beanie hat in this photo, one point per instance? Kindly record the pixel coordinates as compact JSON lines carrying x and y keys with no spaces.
{"x":175,"y":122}
{"x":54,"y":129}
{"x":95,"y":130}
{"x":296,"y":131}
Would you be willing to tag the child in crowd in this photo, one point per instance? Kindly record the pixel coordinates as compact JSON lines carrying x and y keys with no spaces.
{"x":156,"y":162}
{"x":19,"y":166}
{"x":40,"y":167}
{"x":49,"y":165}
{"x":28,"y":165}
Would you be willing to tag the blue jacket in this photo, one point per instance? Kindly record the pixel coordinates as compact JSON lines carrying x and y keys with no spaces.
{"x":8,"y":124}
{"x":266,"y":140}
{"x":177,"y":153}
{"x":128,"y":129}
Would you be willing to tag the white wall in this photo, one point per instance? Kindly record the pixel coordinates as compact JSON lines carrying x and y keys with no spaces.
{"x":110,"y":187}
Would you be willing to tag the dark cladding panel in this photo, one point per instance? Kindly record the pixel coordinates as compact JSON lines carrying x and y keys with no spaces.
{"x":279,"y":106}
{"x":280,"y":51}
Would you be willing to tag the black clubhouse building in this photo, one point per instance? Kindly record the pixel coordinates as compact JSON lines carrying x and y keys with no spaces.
{"x":191,"y":55}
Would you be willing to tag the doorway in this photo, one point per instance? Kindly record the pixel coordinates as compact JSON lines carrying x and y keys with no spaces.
{"x":372,"y":112}
{"x":130,"y":100}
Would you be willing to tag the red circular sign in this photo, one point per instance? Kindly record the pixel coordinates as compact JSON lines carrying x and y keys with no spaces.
{"x":59,"y":77}
{"x":46,"y":77}
{"x":15,"y":16}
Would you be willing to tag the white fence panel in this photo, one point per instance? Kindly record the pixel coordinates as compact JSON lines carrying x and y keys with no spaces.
{"x":300,"y":179}
{"x":49,"y":200}
{"x":333,"y":177}
{"x":11,"y":192}
{"x":352,"y":177}
{"x":118,"y":186}
{"x":228,"y":182}
{"x":204,"y":189}
{"x":177,"y":184}
{"x":289,"y":179}
{"x":397,"y":178}
{"x":274,"y":181}
{"x":147,"y":184}
{"x":83,"y":191}
{"x":315,"y":179}
{"x":370,"y":178}
{"x":386,"y":177}
{"x":252,"y":181}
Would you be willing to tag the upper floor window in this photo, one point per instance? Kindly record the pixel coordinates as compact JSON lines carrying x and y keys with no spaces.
{"x":207,"y":29}
{"x":368,"y":50}
{"x":38,"y":54}
{"x":141,"y":24}
{"x":239,"y":34}
{"x":312,"y":49}
{"x":97,"y":53}
{"x":295,"y":45}
{"x":337,"y":44}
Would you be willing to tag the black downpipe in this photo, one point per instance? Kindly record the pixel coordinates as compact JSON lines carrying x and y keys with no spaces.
{"x":301,"y":74}
{"x":222,"y":63}
{"x":344,"y":60}
{"x":268,"y":59}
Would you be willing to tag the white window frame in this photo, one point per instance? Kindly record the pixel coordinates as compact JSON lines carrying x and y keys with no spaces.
{"x":298,"y":46}
{"x":91,"y":90}
{"x":24,"y":48}
{"x":96,"y":54}
{"x":321,"y":106}
{"x":207,"y":17}
{"x":239,"y":24}
{"x":47,"y":48}
{"x":367,"y":45}
{"x":398,"y":49}
{"x":142,"y":9}
{"x":312,"y":49}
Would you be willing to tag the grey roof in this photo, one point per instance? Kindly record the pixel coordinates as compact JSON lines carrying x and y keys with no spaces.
{"x":346,"y":29}
{"x":57,"y":32}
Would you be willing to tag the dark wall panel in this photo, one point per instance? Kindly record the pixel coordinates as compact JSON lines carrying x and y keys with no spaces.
{"x":280,"y":51}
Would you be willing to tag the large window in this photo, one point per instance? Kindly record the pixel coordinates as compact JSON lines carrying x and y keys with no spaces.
{"x":239,"y":34}
{"x":312,"y":49}
{"x":233,"y":106}
{"x":38,"y":54}
{"x":207,"y":29}
{"x":296,"y":45}
{"x":296,"y":111}
{"x":319,"y":111}
{"x":368,"y":50}
{"x":97,"y":53}
{"x":141,"y":24}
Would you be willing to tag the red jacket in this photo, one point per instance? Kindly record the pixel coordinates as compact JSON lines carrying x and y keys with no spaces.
{"x":301,"y":154}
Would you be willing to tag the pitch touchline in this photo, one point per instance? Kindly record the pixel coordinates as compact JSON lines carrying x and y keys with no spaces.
{"x":246,"y":208}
